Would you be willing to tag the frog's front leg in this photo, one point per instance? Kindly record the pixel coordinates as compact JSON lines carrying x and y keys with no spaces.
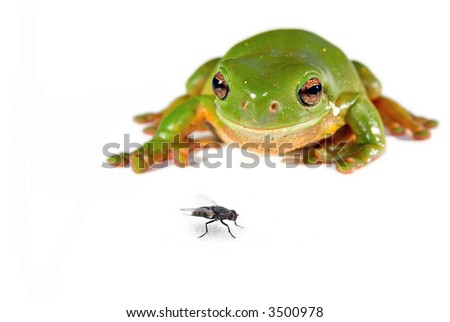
{"x":153,"y":119}
{"x":364,"y":121}
{"x":172,"y":134}
{"x":194,"y":86}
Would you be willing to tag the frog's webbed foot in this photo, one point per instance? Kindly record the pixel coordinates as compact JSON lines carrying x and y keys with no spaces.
{"x":400,"y":121}
{"x":119,"y":160}
{"x":153,"y":118}
{"x":341,"y":148}
{"x":325,"y":151}
{"x":357,"y":144}
{"x":396,"y":118}
{"x":155,"y":153}
{"x":178,"y":152}
{"x":349,"y":156}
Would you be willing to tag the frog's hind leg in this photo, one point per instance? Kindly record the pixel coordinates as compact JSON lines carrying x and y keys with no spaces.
{"x":395,"y":117}
{"x":194,"y":86}
{"x":155,"y":118}
{"x":418,"y":126}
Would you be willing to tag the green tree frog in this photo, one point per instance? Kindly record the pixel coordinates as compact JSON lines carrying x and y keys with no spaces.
{"x":290,"y":85}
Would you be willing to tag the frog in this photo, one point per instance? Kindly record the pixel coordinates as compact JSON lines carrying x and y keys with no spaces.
{"x":291,"y":86}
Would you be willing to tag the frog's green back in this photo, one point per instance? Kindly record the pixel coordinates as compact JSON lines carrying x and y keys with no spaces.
{"x":302,"y":47}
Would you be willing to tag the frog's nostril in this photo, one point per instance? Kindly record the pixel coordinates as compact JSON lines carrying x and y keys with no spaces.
{"x":244,"y":104}
{"x":274,"y":106}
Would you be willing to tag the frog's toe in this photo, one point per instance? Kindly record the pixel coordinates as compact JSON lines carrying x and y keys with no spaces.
{"x":348,"y":165}
{"x":147,"y":118}
{"x":354,"y":156}
{"x":427,"y":123}
{"x":431,"y":124}
{"x":421,"y":134}
{"x":421,"y":131}
{"x":180,"y":157}
{"x":138,"y":162}
{"x":396,"y":128}
{"x":150,"y":130}
{"x":320,"y":155}
{"x":119,"y":160}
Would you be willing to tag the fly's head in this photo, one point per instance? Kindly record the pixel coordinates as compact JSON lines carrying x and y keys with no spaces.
{"x":232,"y":215}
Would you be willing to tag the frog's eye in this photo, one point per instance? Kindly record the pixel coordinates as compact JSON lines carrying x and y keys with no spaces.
{"x":311,"y":92}
{"x":220,"y":86}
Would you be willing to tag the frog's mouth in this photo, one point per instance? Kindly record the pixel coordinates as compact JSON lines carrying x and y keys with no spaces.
{"x":280,"y":131}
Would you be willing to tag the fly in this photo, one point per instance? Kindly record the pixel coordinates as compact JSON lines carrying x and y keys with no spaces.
{"x":215,"y":213}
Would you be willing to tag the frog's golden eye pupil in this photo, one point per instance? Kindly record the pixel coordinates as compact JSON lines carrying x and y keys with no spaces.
{"x":311,"y":92}
{"x":220,"y":86}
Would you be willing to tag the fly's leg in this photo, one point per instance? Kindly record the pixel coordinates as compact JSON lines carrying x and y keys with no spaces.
{"x":238,"y":225}
{"x":229,"y":230}
{"x":206,"y":226}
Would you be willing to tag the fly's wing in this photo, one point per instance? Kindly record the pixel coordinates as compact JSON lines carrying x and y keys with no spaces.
{"x":206,"y":212}
{"x":205,"y":200}
{"x":188,"y":211}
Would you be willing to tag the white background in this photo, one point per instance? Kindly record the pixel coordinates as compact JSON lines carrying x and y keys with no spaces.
{"x":82,"y":243}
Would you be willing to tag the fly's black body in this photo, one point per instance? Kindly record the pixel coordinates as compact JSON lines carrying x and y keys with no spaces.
{"x":215,"y":213}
